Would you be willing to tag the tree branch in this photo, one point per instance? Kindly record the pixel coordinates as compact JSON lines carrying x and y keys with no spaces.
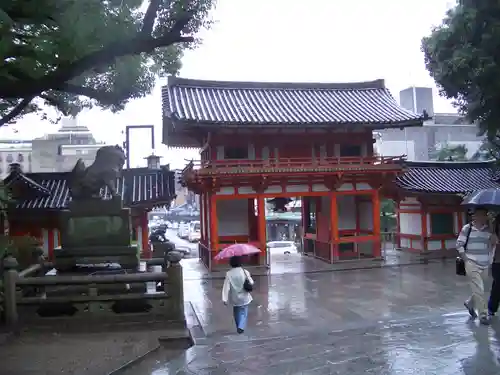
{"x":16,"y":111}
{"x":99,"y":95}
{"x":150,"y":17}
{"x":62,"y":74}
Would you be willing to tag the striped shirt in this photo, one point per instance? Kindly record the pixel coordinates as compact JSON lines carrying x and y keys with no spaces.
{"x":480,"y":246}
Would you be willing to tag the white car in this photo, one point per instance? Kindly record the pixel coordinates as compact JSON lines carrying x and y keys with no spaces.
{"x":282,"y":247}
{"x":183,"y":230}
{"x":194,"y":231}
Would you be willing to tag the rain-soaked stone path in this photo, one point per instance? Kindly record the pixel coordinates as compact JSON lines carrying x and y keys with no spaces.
{"x":388,"y":321}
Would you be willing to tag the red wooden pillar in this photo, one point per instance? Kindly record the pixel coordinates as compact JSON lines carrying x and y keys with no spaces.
{"x":376,"y":224}
{"x":423,"y":216}
{"x":143,"y":227}
{"x":253,"y":226}
{"x":51,"y":243}
{"x":214,"y":230}
{"x":202,"y":218}
{"x":398,"y":229}
{"x":334,"y":233}
{"x":261,"y":212}
{"x":357,"y":213}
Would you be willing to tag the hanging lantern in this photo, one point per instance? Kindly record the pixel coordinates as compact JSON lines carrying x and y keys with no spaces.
{"x":279,"y":204}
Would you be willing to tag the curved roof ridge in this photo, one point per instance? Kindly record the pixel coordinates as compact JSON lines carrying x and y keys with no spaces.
{"x":378,"y":84}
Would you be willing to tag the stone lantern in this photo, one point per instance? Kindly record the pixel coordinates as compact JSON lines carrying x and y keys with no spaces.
{"x":153,"y":161}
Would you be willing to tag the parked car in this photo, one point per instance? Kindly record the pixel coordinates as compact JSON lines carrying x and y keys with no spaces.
{"x":183,"y":230}
{"x":282,"y":247}
{"x":194,"y":231}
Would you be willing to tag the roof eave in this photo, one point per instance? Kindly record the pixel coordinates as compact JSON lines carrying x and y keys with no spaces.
{"x":375,"y":125}
{"x":432,"y":192}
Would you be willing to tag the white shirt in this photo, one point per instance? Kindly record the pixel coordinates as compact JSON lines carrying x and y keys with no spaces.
{"x":233,"y":291}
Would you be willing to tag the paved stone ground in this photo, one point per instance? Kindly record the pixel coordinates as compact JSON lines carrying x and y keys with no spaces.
{"x":387,"y":321}
{"x":76,"y":354}
{"x":296,"y":263}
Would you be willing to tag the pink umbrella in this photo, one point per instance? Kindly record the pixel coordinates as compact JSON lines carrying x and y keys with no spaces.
{"x":238,"y":249}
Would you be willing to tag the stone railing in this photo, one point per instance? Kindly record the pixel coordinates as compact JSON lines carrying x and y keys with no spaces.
{"x":31,"y":297}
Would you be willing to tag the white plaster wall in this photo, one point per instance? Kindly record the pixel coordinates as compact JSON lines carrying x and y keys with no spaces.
{"x":365,"y":215}
{"x":346,"y":212}
{"x":437,"y":245}
{"x":410,"y":223}
{"x":232,"y":217}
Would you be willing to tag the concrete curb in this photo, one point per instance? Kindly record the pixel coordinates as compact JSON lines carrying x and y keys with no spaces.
{"x":132,"y":362}
{"x":164,"y":342}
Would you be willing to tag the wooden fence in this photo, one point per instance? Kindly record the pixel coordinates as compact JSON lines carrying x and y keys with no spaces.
{"x":32,"y":297}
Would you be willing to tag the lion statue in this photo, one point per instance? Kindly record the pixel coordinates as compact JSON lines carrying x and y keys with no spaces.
{"x":86,"y":182}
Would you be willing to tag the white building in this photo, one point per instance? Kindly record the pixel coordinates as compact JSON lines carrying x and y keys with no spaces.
{"x":420,"y":142}
{"x":54,"y":152}
{"x":14,"y":152}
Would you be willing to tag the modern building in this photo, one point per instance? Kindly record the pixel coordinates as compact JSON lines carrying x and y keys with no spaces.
{"x":15,"y":152}
{"x":54,"y":152}
{"x":420,"y":143}
{"x":58,"y":152}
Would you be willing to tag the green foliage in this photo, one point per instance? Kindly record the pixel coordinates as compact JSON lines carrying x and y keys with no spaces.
{"x":76,"y":54}
{"x":449,"y":153}
{"x":488,"y":151}
{"x":387,"y":207}
{"x":463,"y":55}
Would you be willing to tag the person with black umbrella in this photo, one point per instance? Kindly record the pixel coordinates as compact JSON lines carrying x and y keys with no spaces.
{"x":475,"y":244}
{"x":494,"y":300}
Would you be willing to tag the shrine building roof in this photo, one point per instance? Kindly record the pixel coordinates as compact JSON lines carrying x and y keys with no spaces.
{"x":448,"y":177}
{"x":138,"y":187}
{"x":255,"y":104}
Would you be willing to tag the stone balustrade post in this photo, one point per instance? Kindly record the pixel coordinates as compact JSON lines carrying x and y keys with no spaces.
{"x":10,"y":277}
{"x":175,"y":285}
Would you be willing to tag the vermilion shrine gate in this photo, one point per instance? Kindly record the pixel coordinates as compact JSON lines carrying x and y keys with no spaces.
{"x":279,"y":140}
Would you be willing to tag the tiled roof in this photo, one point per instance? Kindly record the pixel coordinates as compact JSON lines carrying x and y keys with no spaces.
{"x":21,"y":178}
{"x":251,"y":103}
{"x":448,"y":177}
{"x":137,"y":186}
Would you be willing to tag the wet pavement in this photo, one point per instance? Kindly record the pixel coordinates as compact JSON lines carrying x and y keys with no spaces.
{"x":387,"y":321}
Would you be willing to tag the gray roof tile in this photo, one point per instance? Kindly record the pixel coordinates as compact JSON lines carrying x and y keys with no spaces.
{"x":136,"y":186}
{"x":251,"y":103}
{"x":448,"y":177}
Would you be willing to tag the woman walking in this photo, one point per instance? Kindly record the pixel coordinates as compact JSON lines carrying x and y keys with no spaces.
{"x":494,"y":300}
{"x":236,"y":288}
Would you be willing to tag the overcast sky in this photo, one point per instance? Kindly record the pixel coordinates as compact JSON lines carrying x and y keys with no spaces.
{"x":283,"y":40}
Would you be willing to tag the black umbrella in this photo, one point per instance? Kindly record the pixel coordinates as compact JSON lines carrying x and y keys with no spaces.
{"x":488,"y":198}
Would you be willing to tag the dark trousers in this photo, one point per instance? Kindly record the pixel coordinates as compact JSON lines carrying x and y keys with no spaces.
{"x":494,"y":300}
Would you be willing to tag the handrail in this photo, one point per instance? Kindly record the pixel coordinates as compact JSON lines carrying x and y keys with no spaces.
{"x":94,"y":279}
{"x":30,"y":270}
{"x":292,"y":162}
